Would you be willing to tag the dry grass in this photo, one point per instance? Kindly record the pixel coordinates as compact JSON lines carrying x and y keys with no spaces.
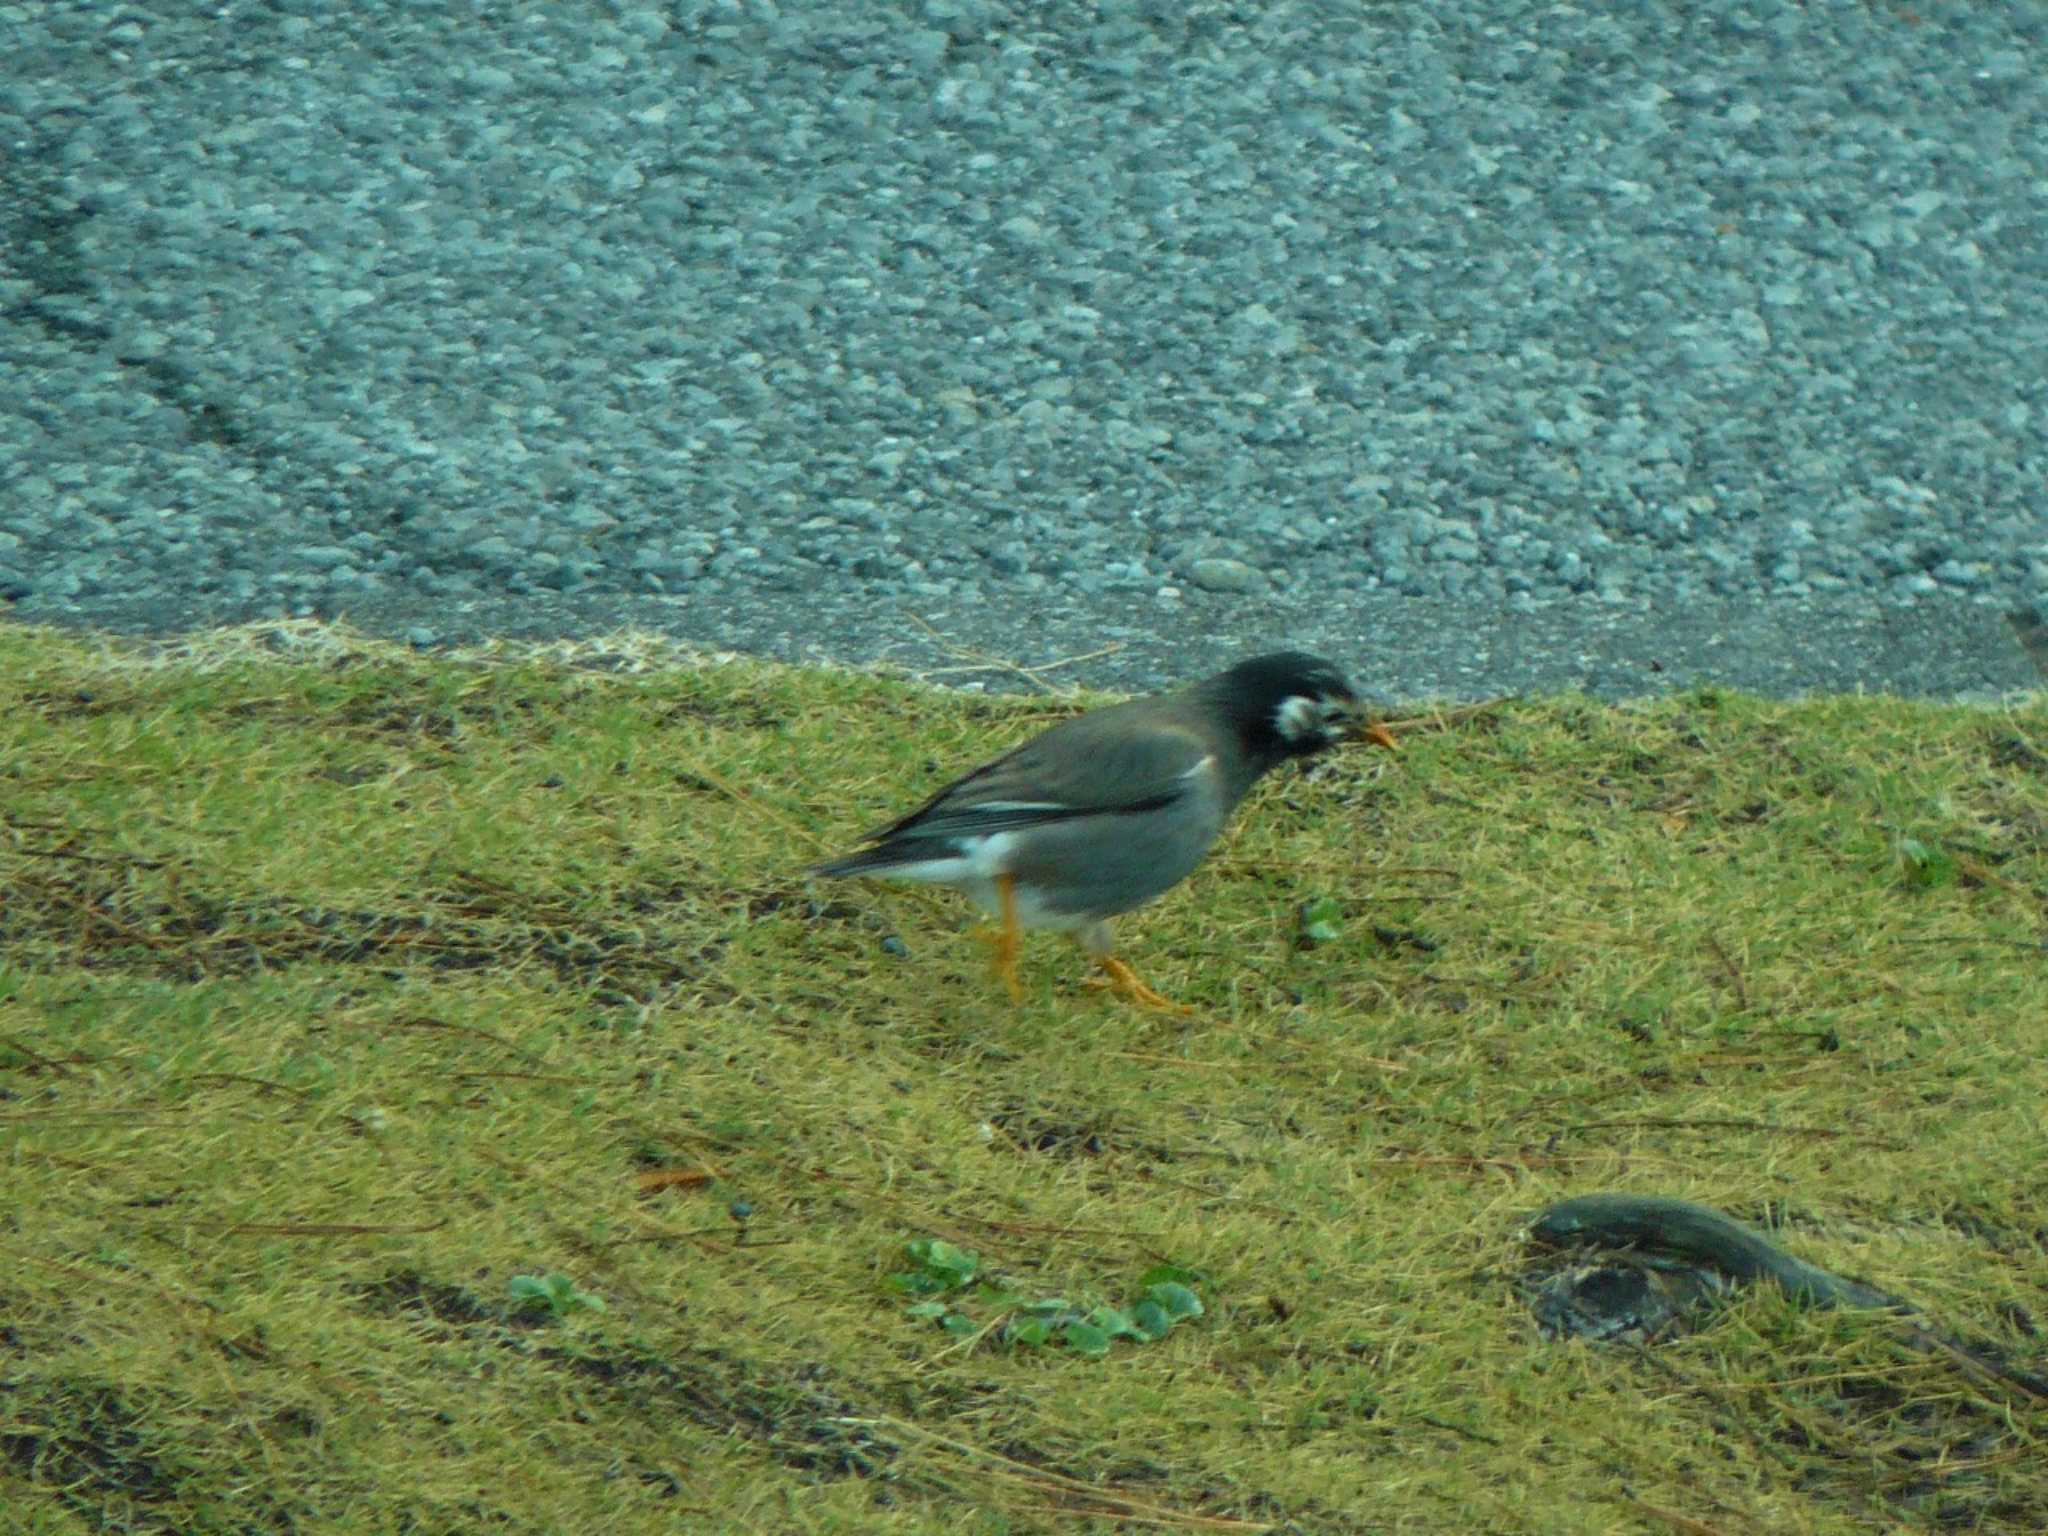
{"x":338,"y":987}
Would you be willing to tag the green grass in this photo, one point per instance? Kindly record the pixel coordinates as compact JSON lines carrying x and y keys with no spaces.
{"x":340,"y":987}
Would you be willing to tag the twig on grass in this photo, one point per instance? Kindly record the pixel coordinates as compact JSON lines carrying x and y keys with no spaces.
{"x":312,"y":1228}
{"x":983,"y":661}
{"x":1459,"y":1430}
{"x":425,"y":1021}
{"x":245,"y":1078}
{"x":1442,"y":719}
{"x":1673,"y":1518}
{"x":118,"y":860}
{"x":36,"y":1058}
{"x":1091,"y":1498}
{"x":1734,"y":974}
{"x":1721,"y":1123}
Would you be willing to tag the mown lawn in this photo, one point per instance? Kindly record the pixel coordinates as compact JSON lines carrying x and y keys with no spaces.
{"x":339,"y":987}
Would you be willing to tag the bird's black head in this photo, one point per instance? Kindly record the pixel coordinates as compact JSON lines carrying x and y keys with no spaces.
{"x":1288,"y":704}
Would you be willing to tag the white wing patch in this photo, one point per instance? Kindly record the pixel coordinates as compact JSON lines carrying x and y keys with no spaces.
{"x":974,"y":860}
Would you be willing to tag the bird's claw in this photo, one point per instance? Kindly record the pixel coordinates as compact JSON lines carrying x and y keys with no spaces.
{"x":1127,"y":984}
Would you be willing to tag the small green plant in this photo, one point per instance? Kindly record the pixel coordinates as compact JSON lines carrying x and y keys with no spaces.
{"x":940,"y":1267}
{"x":1320,"y":921}
{"x":1924,"y":866}
{"x":944,"y":1274}
{"x":555,"y":1294}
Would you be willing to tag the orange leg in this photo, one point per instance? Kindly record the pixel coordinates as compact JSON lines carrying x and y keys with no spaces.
{"x":1008,"y":939}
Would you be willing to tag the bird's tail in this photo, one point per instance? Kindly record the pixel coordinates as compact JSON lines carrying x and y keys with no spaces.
{"x":902,"y":858}
{"x":868,"y":861}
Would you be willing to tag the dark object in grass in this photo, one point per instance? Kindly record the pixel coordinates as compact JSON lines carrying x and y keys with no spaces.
{"x":1654,"y":1266}
{"x":1408,"y":938}
{"x":1677,"y":1255}
{"x":1636,"y":1298}
{"x":1699,"y":1235}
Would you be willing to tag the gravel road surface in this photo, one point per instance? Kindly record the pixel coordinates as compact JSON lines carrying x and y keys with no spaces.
{"x":1482,"y":345}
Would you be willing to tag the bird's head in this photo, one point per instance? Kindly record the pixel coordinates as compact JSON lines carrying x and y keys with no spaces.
{"x":1290,"y":704}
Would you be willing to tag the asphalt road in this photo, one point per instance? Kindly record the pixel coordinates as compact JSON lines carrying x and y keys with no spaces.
{"x":1484,"y":346}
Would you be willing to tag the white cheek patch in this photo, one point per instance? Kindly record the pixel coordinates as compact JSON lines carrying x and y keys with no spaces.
{"x":1298,"y":718}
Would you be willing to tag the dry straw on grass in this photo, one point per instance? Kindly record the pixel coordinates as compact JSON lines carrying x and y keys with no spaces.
{"x":338,"y":986}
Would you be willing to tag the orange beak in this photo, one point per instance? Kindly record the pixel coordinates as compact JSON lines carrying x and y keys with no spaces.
{"x":1376,"y":733}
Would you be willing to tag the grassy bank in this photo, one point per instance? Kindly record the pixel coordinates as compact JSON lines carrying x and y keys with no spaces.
{"x":341,"y":988}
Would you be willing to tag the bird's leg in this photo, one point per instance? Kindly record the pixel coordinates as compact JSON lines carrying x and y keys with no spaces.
{"x":1008,"y":939}
{"x":1128,"y":984}
{"x":1119,"y":977}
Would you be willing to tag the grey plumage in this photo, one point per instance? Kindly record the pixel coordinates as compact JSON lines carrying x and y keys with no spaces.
{"x":1104,"y":812}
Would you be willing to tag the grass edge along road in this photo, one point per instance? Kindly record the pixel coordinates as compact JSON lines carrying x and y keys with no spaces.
{"x":432,"y":1099}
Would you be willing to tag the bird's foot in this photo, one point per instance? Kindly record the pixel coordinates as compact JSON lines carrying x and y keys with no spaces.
{"x":1126,"y":983}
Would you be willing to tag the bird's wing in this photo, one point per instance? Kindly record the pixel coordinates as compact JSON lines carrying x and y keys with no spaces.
{"x":1093,"y":765}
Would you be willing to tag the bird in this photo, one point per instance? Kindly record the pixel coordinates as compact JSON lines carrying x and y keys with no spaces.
{"x":1106,"y":811}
